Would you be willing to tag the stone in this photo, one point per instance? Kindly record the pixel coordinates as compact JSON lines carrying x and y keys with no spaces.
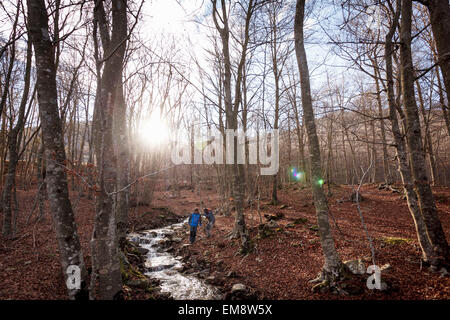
{"x":386,"y":268}
{"x":135,"y":239}
{"x":144,"y":241}
{"x":142,"y":251}
{"x":238,"y":287}
{"x":384,"y":286}
{"x":138,"y":283}
{"x":231,"y":274}
{"x":356,"y":266}
{"x":443,"y":271}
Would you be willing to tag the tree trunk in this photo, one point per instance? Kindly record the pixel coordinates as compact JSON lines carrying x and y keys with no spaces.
{"x":440,"y":22}
{"x":231,"y":111}
{"x":58,"y":193}
{"x":123,"y":161}
{"x":106,"y":282}
{"x":333,"y":267}
{"x":402,"y":159}
{"x":386,"y":172}
{"x":414,"y":141}
{"x":428,"y":143}
{"x":13,"y":147}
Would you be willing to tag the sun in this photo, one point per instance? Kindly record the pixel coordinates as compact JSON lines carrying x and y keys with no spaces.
{"x":154,"y":131}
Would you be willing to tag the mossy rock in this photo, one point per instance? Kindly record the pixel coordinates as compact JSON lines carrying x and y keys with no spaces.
{"x":124,"y":269}
{"x":128,"y":271}
{"x":313,"y":227}
{"x":138,"y":283}
{"x":395,"y":240}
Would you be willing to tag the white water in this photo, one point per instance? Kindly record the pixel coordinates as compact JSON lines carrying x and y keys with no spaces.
{"x":166,"y":268}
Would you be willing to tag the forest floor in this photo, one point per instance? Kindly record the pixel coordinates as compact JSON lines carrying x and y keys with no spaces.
{"x":281,"y":264}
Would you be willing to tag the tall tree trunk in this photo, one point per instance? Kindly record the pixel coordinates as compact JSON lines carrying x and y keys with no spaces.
{"x":13,"y":148}
{"x":333,"y":267}
{"x":402,"y":158}
{"x":440,"y":22}
{"x":414,"y":140}
{"x":123,"y":160}
{"x":231,"y":111}
{"x":106,"y":282}
{"x":428,"y":143}
{"x":386,"y":172}
{"x":58,"y":193}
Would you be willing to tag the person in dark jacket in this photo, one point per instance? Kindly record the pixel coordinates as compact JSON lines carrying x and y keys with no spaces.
{"x":211,"y":219}
{"x":195,"y":220}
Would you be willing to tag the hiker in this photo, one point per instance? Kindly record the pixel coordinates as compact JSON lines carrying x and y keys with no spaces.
{"x":211,"y":219}
{"x":195,"y":220}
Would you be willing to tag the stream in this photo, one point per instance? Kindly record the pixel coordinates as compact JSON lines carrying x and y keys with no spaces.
{"x":163,"y":266}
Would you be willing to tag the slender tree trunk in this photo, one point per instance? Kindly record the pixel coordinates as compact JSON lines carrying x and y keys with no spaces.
{"x":386,"y":172}
{"x":428,"y":144}
{"x":440,"y":22}
{"x":58,"y":193}
{"x":414,"y":141}
{"x":123,"y":160}
{"x":106,"y":282}
{"x":231,"y":111}
{"x":333,"y":266}
{"x":402,"y":158}
{"x":13,"y":148}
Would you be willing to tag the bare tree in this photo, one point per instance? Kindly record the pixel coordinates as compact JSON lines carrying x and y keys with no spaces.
{"x":232,"y":108}
{"x":106,"y":282}
{"x":415,"y":146}
{"x":58,"y":193}
{"x":333,"y":268}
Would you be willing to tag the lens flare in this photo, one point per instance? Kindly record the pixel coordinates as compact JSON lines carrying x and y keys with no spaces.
{"x":295,"y":174}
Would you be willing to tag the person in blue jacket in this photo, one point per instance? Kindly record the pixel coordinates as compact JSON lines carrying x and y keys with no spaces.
{"x":195,"y":220}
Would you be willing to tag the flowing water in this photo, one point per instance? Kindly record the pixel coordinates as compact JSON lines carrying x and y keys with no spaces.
{"x":163,"y":266}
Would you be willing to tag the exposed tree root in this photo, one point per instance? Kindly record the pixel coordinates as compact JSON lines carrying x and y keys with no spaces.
{"x":333,"y":280}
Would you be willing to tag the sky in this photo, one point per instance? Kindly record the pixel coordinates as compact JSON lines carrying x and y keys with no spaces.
{"x":178,"y":18}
